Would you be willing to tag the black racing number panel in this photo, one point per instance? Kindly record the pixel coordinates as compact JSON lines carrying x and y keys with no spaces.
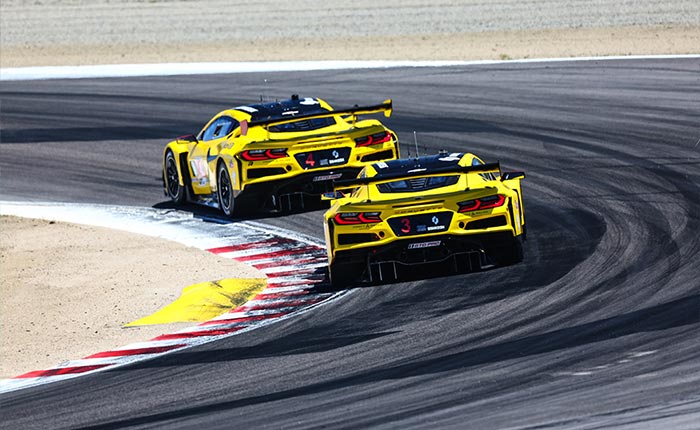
{"x":412,"y":225}
{"x":324,"y":159}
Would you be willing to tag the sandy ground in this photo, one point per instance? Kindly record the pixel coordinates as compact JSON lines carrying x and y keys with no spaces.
{"x":74,"y":32}
{"x":67,"y":289}
{"x":64,"y":294}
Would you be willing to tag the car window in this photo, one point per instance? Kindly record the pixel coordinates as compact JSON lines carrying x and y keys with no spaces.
{"x":413,"y":185}
{"x":219,"y":128}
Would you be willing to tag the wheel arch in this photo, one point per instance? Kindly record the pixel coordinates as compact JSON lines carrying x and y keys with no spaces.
{"x":180,"y":153}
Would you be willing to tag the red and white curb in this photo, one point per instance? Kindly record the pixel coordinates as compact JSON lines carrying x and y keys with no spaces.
{"x":294,"y":265}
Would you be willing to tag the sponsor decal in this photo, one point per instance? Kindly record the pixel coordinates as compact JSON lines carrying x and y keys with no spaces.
{"x":424,"y":244}
{"x":455,"y":156}
{"x":416,"y":210}
{"x":382,"y":165}
{"x":335,"y":154}
{"x":336,"y":161}
{"x":290,"y":112}
{"x":247,"y":109}
{"x":199,"y":167}
{"x":327,"y":177}
{"x":308,"y":101}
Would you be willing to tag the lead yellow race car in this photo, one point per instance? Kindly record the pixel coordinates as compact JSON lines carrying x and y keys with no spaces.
{"x":449,"y":212}
{"x":274,"y":154}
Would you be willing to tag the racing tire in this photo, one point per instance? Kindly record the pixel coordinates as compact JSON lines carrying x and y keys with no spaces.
{"x":337,"y":280}
{"x":171,"y":180}
{"x":511,"y":255}
{"x":224,"y":191}
{"x":346,"y":275}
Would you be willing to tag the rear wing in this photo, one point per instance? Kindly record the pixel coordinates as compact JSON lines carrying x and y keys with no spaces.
{"x":385,"y":107}
{"x":481,"y":168}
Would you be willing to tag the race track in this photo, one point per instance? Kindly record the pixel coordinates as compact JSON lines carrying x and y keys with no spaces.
{"x":598,"y":328}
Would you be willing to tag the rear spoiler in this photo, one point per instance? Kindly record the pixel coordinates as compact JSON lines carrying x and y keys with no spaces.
{"x":385,"y":107}
{"x":488,"y":167}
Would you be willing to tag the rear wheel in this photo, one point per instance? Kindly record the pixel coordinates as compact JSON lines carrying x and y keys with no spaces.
{"x":171,"y":177}
{"x":339,"y":277}
{"x":510,"y":255}
{"x":224,"y":191}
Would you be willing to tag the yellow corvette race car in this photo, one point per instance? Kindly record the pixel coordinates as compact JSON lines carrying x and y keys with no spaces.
{"x":274,"y":154}
{"x":451,"y":212}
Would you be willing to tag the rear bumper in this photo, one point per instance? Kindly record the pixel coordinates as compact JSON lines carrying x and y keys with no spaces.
{"x":289,"y":193}
{"x":446,"y":253}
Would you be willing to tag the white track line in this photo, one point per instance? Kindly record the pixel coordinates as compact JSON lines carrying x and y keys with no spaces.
{"x":173,"y":69}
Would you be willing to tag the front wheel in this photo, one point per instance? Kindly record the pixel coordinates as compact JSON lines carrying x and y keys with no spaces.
{"x":225,"y":191}
{"x":173,"y":189}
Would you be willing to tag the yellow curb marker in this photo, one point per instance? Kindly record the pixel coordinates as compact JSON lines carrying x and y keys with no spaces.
{"x":202,"y":302}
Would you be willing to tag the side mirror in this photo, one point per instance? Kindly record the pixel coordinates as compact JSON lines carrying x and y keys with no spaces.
{"x":507,"y":176}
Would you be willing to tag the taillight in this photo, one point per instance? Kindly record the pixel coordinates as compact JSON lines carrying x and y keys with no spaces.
{"x":373,"y":139}
{"x":488,"y":202}
{"x":263,"y":154}
{"x":349,"y":218}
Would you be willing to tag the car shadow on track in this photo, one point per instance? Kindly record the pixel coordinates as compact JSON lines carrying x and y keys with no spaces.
{"x":210,"y":214}
{"x":559,"y":238}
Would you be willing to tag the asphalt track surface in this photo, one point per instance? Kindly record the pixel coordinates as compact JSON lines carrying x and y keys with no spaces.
{"x":598,"y":328}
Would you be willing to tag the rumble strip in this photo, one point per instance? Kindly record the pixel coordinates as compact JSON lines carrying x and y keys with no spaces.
{"x":294,"y":265}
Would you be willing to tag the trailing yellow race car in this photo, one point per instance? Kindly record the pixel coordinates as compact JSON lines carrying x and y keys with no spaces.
{"x":451,"y":212}
{"x":274,"y":154}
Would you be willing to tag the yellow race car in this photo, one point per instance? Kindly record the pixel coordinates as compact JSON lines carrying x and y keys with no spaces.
{"x":451,"y":212}
{"x":274,"y":154}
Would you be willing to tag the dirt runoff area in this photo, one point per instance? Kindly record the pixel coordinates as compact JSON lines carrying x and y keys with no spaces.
{"x":67,"y":290}
{"x":76,"y":32}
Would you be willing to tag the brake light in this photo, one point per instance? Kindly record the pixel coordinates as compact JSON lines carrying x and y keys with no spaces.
{"x":263,"y":154}
{"x":488,"y":202}
{"x":373,"y":139}
{"x":349,"y":218}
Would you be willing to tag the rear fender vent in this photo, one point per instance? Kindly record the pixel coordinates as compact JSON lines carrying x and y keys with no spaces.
{"x":266,"y":171}
{"x":381,"y":155}
{"x":496,"y":221}
{"x":353,"y":238}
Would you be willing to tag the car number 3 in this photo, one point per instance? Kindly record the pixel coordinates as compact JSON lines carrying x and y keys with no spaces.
{"x":406,"y":225}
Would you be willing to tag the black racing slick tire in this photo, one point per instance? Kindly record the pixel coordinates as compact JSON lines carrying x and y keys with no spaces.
{"x":171,"y":179}
{"x":224,"y":191}
{"x":511,"y":255}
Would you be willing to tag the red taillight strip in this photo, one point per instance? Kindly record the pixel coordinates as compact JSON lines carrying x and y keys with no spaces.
{"x":360,"y":218}
{"x":477,"y":204}
{"x":257,"y":155}
{"x":373,"y":139}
